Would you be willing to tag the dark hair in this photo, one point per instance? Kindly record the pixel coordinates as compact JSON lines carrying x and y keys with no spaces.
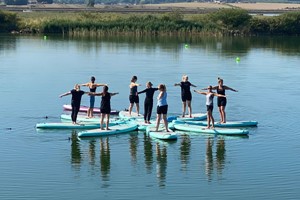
{"x":93,"y":78}
{"x":105,"y":89}
{"x":133,"y":78}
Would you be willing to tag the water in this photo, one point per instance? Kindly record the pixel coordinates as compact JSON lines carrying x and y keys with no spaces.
{"x":54,"y":164}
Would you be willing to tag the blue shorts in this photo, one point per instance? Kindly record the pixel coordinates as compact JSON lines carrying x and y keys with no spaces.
{"x":92,"y":101}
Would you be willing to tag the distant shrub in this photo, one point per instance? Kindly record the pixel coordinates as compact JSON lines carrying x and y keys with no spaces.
{"x":8,"y":21}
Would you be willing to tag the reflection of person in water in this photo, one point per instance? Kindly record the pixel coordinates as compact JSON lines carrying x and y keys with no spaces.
{"x":209,"y":159}
{"x":148,"y":153}
{"x":220,"y":155}
{"x":75,"y":150}
{"x":185,"y":149}
{"x":105,"y":158}
{"x":161,"y":157}
{"x":92,"y":152}
{"x":133,"y":147}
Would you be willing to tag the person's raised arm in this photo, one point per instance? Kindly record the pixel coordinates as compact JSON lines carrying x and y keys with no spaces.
{"x":219,"y":95}
{"x":113,"y":94}
{"x":64,"y":94}
{"x":229,"y":88}
{"x":84,"y":84}
{"x":93,"y":93}
{"x":100,"y":84}
{"x":200,"y":92}
{"x":193,"y":85}
{"x":143,"y":91}
{"x":177,"y":84}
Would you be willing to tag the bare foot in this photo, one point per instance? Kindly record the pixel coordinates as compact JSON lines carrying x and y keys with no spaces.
{"x":149,"y":122}
{"x":208,"y":127}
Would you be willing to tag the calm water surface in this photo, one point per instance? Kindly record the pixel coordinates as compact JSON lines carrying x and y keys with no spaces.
{"x":56,"y":165}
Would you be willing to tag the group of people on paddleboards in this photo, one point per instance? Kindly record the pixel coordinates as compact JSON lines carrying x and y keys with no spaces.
{"x":162,"y":105}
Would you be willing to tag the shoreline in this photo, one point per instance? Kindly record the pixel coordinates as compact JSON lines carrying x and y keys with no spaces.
{"x":185,"y":8}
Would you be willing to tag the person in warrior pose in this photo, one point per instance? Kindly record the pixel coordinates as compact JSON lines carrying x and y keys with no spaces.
{"x":210,"y":105}
{"x":220,"y":88}
{"x":148,"y":103}
{"x":105,"y":107}
{"x":133,"y":96}
{"x":75,"y":102}
{"x":92,"y":86}
{"x":162,"y":107}
{"x":186,"y":95}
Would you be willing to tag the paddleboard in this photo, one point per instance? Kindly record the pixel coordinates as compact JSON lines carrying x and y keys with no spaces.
{"x":66,"y":125}
{"x":85,"y":108}
{"x":125,"y":115}
{"x":161,"y":134}
{"x":227,"y":124}
{"x":217,"y":131}
{"x":142,"y":125}
{"x":117,"y":129}
{"x":195,"y":117}
{"x":83,"y":119}
{"x":69,"y":125}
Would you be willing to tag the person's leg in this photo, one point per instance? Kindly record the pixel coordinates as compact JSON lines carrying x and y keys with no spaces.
{"x":101,"y":121}
{"x":183,"y":108}
{"x":208,"y":119}
{"x":137,"y":108}
{"x":223,"y":114}
{"x":157,"y":121}
{"x":107,"y":121}
{"x":165,"y":122}
{"x":189,"y":104}
{"x":145,"y":111}
{"x":150,"y":106}
{"x":130,"y":108}
{"x":76,"y":113}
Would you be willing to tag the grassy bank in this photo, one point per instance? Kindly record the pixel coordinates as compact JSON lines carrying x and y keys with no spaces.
{"x":222,"y":22}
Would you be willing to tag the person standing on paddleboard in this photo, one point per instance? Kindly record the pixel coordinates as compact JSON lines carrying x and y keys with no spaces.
{"x":148,"y":103}
{"x":105,"y":107}
{"x":133,"y":95}
{"x":210,"y":104}
{"x":186,"y":95}
{"x":92,"y":86}
{"x":220,"y":88}
{"x":75,"y":102}
{"x":162,"y":107}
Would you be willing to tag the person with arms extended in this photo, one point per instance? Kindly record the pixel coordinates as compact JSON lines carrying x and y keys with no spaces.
{"x":133,"y":96}
{"x":92,"y":86}
{"x":162,"y":107}
{"x":105,"y":107}
{"x":75,"y":102}
{"x":210,"y":104}
{"x":220,"y":88}
{"x":148,"y":103}
{"x":186,"y":95}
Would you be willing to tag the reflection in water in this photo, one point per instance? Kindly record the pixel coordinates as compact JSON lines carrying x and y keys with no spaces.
{"x":220,"y":155}
{"x":148,"y":152}
{"x":105,"y":158}
{"x":7,"y":43}
{"x":209,"y":159}
{"x":219,"y":158}
{"x":92,"y":152}
{"x":75,"y":151}
{"x":161,"y":165}
{"x":185,"y":148}
{"x":133,"y":140}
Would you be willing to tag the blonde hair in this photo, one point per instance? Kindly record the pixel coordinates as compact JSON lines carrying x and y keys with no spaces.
{"x":77,"y":87}
{"x":185,"y":77}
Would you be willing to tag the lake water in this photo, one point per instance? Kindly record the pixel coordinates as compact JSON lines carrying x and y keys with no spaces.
{"x":56,"y":165}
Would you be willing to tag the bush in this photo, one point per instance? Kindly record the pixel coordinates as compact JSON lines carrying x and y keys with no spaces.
{"x":8,"y":21}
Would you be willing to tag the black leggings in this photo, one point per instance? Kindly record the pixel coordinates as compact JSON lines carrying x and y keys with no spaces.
{"x":148,"y":105}
{"x":75,"y":110}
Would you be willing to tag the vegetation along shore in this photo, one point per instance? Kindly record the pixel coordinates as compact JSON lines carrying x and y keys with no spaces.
{"x":225,"y":19}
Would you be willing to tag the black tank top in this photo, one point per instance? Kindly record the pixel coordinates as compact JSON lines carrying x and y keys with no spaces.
{"x":93,"y":89}
{"x":105,"y":101}
{"x":133,"y":90}
{"x":221,"y":91}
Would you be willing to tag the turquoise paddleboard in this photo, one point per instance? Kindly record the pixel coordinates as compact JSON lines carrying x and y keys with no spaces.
{"x":69,"y":125}
{"x":217,"y":131}
{"x":227,"y":124}
{"x":161,"y":134}
{"x":125,"y":115}
{"x":117,"y":129}
{"x":195,"y":117}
